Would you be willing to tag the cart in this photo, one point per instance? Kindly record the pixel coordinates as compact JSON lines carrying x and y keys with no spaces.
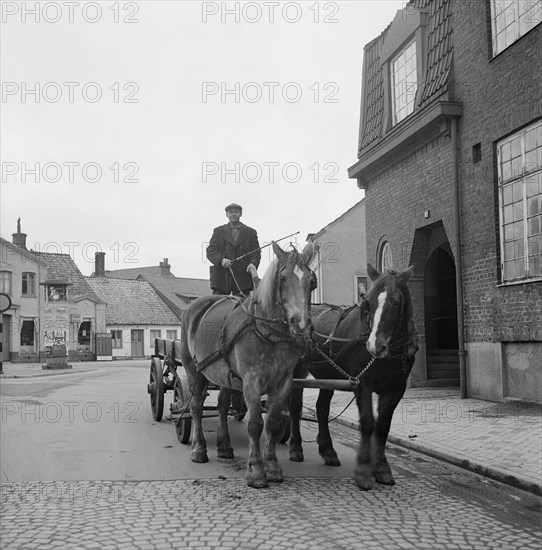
{"x":164,"y":376}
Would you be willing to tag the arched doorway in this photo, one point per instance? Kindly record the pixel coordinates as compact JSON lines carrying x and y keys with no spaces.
{"x":440,"y":300}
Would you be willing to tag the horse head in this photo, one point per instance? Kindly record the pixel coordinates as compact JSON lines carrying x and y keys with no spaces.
{"x":389,"y":308}
{"x":285,"y":289}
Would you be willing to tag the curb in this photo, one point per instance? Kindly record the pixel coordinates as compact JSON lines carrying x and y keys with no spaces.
{"x":491,"y":472}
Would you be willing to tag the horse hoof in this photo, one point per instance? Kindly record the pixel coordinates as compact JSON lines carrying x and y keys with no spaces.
{"x":274,"y":474}
{"x":364,"y":484}
{"x":226,"y":453}
{"x":200,"y":457}
{"x":386,"y":478}
{"x":296,"y":456}
{"x":332,"y":460}
{"x":257,"y":483}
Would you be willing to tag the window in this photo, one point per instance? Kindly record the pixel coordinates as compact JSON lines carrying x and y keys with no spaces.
{"x":404,"y":82}
{"x":27,"y":333}
{"x":511,"y":19}
{"x":83,"y":336}
{"x":29,"y":284}
{"x":386,"y":260}
{"x":519,"y":160}
{"x":116,"y":339}
{"x":155,"y":334}
{"x":56,"y":293}
{"x":5,"y":282}
{"x":171,"y":334}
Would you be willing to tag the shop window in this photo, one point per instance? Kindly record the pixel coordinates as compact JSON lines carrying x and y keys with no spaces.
{"x":27,"y":333}
{"x":83,"y":335}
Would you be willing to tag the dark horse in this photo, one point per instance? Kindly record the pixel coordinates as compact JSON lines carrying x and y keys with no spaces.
{"x":253,"y":346}
{"x":373,"y":345}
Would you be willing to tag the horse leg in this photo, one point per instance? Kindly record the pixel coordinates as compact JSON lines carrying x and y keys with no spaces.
{"x":386,"y":407}
{"x":255,"y":472}
{"x":296,"y":406}
{"x":223,"y":444}
{"x":364,"y":469}
{"x":275,"y":405}
{"x":323,"y":439}
{"x":199,"y":446}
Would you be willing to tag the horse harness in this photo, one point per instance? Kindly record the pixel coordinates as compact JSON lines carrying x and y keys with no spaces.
{"x":250,"y":321}
{"x":362,"y":338}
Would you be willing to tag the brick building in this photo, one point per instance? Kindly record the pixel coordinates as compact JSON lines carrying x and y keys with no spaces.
{"x":450,"y":158}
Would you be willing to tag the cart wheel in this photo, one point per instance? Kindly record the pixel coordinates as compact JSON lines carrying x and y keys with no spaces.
{"x":156,"y":389}
{"x":284,"y":433}
{"x":238,"y":405}
{"x":183,"y":428}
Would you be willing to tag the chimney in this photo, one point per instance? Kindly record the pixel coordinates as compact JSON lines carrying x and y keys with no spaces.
{"x":19,"y":238}
{"x":99,"y":264}
{"x":165,"y":269}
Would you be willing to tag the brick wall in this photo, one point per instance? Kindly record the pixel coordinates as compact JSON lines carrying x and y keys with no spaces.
{"x":499,"y":96}
{"x":396,"y":201}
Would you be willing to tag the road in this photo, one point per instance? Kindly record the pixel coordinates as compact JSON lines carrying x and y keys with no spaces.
{"x":84,"y":465}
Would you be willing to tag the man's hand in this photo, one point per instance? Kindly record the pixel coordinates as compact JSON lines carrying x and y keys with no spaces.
{"x":251,"y":267}
{"x":225,"y":263}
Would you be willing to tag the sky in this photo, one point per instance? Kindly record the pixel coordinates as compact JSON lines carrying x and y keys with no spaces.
{"x":127,"y":127}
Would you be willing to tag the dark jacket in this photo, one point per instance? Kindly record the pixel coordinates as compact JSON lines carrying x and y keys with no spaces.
{"x":221,"y":246}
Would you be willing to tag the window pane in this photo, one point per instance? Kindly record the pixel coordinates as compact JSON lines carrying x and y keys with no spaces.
{"x":403,"y":69}
{"x":509,"y":270}
{"x":506,"y":170}
{"x":518,"y":211}
{"x":534,"y":185}
{"x":518,"y":230}
{"x":535,"y":225}
{"x":508,"y":212}
{"x":507,"y":194}
{"x":534,"y":205}
{"x":509,"y":232}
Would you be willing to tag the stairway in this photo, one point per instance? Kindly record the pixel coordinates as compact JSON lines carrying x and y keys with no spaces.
{"x":442,"y":367}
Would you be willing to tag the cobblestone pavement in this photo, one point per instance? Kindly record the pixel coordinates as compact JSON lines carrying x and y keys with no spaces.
{"x":500,"y":440}
{"x":326,"y":514}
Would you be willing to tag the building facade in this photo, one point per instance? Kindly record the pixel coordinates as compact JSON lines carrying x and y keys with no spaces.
{"x":340,"y":260}
{"x":450,"y":157}
{"x":51,"y":304}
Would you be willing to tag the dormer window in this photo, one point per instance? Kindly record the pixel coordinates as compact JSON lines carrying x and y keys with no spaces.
{"x":404,"y":82}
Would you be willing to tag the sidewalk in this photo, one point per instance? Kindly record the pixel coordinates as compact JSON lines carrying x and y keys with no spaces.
{"x":502,"y":441}
{"x":33,"y":370}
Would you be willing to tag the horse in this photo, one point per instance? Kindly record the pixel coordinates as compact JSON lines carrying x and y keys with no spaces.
{"x":251,"y":345}
{"x":373,"y":345}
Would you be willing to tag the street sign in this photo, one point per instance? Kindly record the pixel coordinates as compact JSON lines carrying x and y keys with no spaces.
{"x":5,"y":302}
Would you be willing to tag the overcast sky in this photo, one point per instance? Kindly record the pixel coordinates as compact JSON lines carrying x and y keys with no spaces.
{"x":169,"y":98}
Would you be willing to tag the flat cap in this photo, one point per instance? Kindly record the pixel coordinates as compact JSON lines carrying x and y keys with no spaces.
{"x":232,"y":206}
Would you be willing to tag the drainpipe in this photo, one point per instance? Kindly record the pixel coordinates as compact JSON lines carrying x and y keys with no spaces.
{"x":462,"y":352}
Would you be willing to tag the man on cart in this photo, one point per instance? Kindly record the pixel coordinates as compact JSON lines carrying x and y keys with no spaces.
{"x":234,"y":251}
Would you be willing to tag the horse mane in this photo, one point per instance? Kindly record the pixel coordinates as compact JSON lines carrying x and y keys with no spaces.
{"x":266,"y":293}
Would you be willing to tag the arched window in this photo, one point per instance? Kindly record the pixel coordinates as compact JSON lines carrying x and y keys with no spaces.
{"x":386,"y":260}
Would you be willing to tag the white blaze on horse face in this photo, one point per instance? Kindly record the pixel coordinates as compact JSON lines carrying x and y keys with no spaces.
{"x":371,"y":342}
{"x":299,"y":272}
